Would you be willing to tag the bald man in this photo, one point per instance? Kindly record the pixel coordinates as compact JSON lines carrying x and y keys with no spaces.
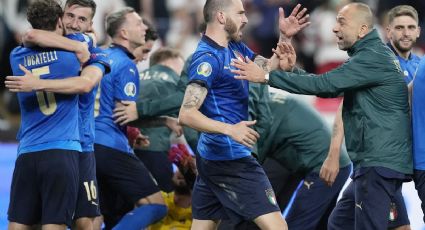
{"x":375,"y":115}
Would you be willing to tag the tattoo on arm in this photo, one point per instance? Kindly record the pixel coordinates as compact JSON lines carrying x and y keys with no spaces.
{"x":335,"y":129}
{"x":194,"y":96}
{"x":262,"y":62}
{"x":338,"y":127}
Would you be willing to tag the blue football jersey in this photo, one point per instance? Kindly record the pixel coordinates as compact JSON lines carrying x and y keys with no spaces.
{"x":48,"y":120}
{"x":418,"y":117}
{"x":86,"y":101}
{"x":408,"y":66}
{"x":227,"y":98}
{"x":119,"y":85}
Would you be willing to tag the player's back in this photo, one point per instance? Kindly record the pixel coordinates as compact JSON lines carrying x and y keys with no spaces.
{"x":48,"y":120}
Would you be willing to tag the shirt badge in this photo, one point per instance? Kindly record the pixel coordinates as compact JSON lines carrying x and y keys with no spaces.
{"x":130,"y":89}
{"x":406,"y":73}
{"x":239,"y":56}
{"x":204,"y":69}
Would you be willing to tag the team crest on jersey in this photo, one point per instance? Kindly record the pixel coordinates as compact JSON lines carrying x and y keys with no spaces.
{"x":239,"y":56}
{"x":270,"y":195}
{"x":397,"y":65}
{"x":406,"y":73}
{"x":204,"y":69}
{"x":130,"y":89}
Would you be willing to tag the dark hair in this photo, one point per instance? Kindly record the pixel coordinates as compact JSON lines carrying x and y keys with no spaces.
{"x":44,"y":14}
{"x":211,"y":7}
{"x":115,"y":20}
{"x":163,"y":54}
{"x":84,"y":3}
{"x":151,"y":33}
{"x":202,"y":27}
{"x":402,"y":10}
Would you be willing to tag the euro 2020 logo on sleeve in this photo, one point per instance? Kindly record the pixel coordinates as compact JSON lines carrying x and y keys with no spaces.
{"x":130,"y":89}
{"x":204,"y":69}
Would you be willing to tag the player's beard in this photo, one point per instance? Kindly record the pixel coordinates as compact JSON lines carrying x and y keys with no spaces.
{"x":401,"y":48}
{"x":232,"y":30}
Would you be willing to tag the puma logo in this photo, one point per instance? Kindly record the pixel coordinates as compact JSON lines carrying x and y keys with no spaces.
{"x":308,"y":184}
{"x":359,"y":205}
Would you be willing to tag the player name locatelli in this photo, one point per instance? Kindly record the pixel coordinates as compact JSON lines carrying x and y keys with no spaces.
{"x":40,"y":58}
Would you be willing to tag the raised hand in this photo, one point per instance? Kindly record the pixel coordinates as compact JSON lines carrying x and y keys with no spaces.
{"x":26,"y":83}
{"x":242,"y":133}
{"x":295,"y":22}
{"x":286,"y":55}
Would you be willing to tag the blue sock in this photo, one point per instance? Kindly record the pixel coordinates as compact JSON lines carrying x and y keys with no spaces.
{"x":141,"y":217}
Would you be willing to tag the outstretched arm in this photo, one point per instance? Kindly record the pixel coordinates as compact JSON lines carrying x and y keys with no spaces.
{"x":191,"y":116}
{"x":34,"y":37}
{"x":88,"y":79}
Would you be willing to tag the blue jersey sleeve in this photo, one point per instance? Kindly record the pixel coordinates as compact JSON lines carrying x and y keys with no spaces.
{"x":126,"y":81}
{"x":98,"y":56}
{"x":82,"y":38}
{"x":204,"y":69}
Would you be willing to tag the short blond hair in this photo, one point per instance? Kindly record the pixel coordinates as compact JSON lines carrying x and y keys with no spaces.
{"x":402,"y":10}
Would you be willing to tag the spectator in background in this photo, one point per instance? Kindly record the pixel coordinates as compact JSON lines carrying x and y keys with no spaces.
{"x":184,"y":20}
{"x":157,"y":12}
{"x":266,"y":32}
{"x":104,"y":7}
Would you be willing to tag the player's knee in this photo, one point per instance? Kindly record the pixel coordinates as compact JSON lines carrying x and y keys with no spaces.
{"x":17,"y":226}
{"x":83,"y":223}
{"x":404,"y":227}
{"x":271,"y":221}
{"x":155,"y":198}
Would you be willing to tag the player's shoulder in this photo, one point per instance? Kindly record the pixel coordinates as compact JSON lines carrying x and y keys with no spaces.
{"x":415,"y":58}
{"x":18,"y":50}
{"x":79,"y":37}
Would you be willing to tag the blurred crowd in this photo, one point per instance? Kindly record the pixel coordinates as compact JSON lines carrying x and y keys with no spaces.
{"x":177,"y":23}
